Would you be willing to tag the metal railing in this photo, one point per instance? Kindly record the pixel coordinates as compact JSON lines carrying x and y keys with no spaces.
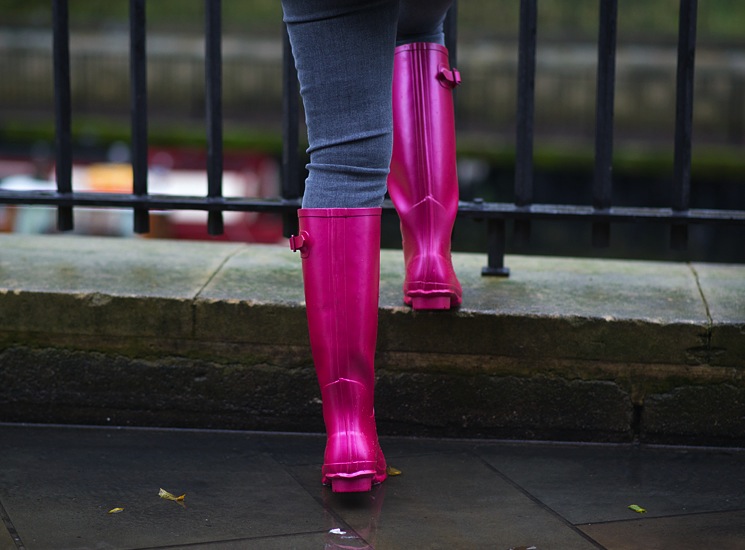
{"x":600,"y":215}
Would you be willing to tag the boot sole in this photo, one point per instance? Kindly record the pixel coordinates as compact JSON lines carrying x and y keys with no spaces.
{"x":438,"y":300}
{"x":433,"y":302}
{"x":361,"y":484}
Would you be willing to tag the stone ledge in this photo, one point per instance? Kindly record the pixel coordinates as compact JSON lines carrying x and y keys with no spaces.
{"x":213,"y":335}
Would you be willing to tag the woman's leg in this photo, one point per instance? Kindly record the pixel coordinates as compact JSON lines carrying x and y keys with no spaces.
{"x":423,"y":183}
{"x":422,"y":21}
{"x":343,"y":52}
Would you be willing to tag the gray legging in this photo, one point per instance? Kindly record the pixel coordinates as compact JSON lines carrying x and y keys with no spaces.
{"x":343,"y":52}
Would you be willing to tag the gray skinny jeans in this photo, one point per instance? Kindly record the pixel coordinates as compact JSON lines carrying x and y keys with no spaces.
{"x":343,"y":52}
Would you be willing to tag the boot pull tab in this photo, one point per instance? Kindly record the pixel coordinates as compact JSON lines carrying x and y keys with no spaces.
{"x":449,"y":78}
{"x":299,"y":243}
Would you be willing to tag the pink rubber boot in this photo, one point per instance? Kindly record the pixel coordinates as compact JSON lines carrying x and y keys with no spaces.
{"x":340,"y":248}
{"x":423,"y":182}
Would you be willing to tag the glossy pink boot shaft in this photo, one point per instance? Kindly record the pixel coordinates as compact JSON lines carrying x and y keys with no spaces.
{"x":423,"y":181}
{"x":340,"y":250}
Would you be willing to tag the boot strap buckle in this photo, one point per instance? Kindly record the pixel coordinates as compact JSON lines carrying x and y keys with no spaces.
{"x":298,"y":243}
{"x":450,"y":78}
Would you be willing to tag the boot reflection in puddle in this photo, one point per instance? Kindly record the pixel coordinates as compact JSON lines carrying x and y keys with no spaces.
{"x":352,"y":518}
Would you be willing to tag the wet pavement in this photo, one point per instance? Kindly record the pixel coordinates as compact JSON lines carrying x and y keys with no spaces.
{"x":262,"y":490}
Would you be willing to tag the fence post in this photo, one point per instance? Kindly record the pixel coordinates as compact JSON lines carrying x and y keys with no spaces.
{"x":292,"y":185}
{"x":496,"y":244}
{"x":525,"y":113}
{"x":62,"y":131}
{"x":138,"y":76}
{"x":602,"y":187}
{"x":213,"y":99}
{"x":684,"y":119}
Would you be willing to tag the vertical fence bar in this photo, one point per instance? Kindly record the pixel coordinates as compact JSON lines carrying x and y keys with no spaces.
{"x":525,"y":113}
{"x":497,"y":233}
{"x":496,"y":228}
{"x":496,"y":248}
{"x":62,"y":130}
{"x":292,"y":186}
{"x":213,"y":99}
{"x":602,"y":188}
{"x":684,"y":119}
{"x":138,"y":83}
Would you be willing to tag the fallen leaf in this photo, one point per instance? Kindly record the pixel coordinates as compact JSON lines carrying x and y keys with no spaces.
{"x":116,"y":510}
{"x":168,"y":496}
{"x":637,"y":509}
{"x":391,"y":471}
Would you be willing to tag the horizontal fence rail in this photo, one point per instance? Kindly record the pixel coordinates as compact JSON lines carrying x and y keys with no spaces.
{"x":600,"y":214}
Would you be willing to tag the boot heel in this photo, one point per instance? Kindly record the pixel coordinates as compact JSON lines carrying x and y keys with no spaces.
{"x":362,"y":484}
{"x":430,"y":302}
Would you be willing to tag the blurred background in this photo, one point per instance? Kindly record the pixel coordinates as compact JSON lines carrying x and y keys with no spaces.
{"x":485,"y":103}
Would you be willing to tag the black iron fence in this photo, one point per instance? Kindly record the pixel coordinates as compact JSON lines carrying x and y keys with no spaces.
{"x":600,"y":215}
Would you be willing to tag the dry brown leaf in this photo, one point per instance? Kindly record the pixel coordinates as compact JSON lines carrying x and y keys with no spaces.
{"x":168,"y":496}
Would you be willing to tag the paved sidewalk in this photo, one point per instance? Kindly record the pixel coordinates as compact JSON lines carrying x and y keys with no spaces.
{"x":261,"y":490}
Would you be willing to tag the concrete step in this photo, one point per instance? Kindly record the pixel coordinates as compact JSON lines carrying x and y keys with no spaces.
{"x":207,"y":334}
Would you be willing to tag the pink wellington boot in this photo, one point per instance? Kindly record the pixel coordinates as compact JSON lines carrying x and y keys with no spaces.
{"x":423,"y":182}
{"x":340,"y":248}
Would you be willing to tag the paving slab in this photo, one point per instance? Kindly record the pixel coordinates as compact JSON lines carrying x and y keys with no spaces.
{"x":109,"y":266}
{"x":660,"y":292}
{"x":621,"y":311}
{"x":258,"y":274}
{"x":88,"y":289}
{"x":256,"y":297}
{"x":665,"y":481}
{"x":58,"y":488}
{"x":7,"y":542}
{"x":719,"y":530}
{"x":445,"y":500}
{"x":723,"y":287}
